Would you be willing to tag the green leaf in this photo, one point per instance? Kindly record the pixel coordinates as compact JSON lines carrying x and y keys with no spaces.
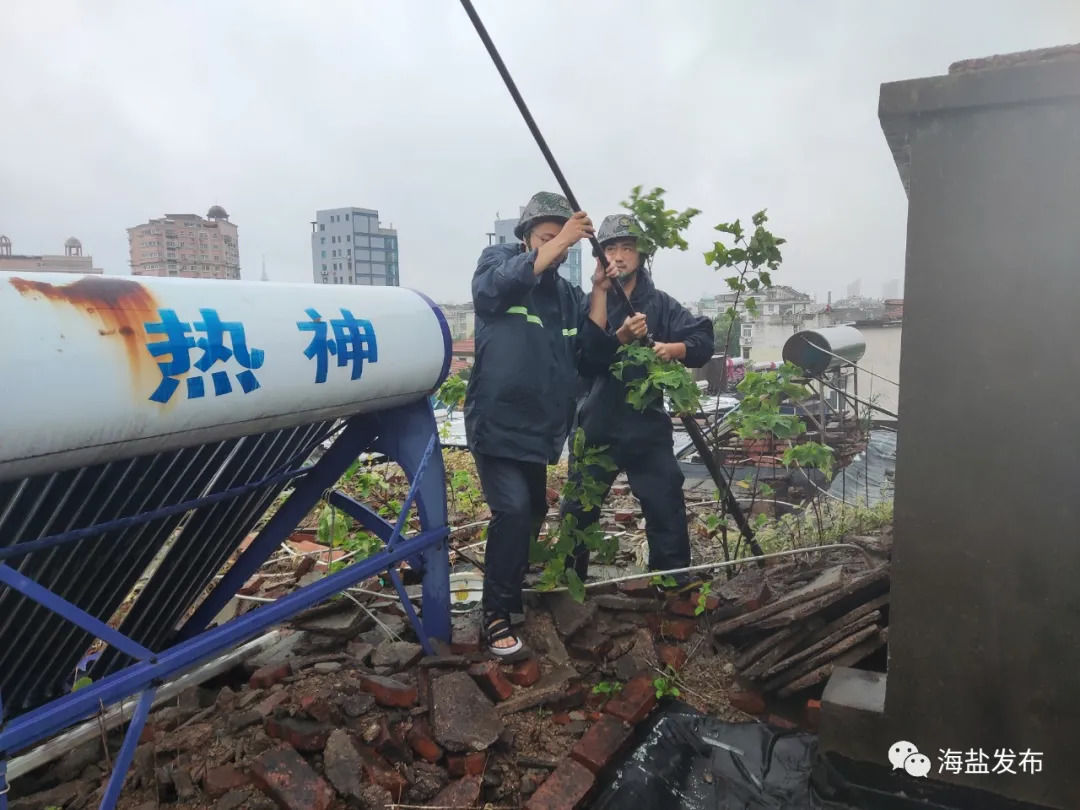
{"x":81,"y":683}
{"x":575,"y":586}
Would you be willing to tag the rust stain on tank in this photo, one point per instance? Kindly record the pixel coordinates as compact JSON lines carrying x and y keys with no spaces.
{"x":120,"y":306}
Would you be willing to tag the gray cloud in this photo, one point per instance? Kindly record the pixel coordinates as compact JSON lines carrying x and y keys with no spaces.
{"x":118,"y":111}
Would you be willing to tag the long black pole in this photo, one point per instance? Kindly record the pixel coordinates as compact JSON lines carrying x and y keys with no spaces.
{"x":560,"y":178}
{"x":691,"y":426}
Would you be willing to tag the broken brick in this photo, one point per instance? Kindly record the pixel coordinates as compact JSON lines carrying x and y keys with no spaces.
{"x":286,"y":777}
{"x":466,"y":764}
{"x":396,"y":655}
{"x":624,"y":517}
{"x":671,"y":656}
{"x":390,"y":743}
{"x":602,"y":743}
{"x":304,"y":566}
{"x":423,"y":743}
{"x":749,"y":701}
{"x":526,"y":673}
{"x":635,"y":701}
{"x":561,"y":719}
{"x":307,"y":736}
{"x":465,"y":634}
{"x":321,"y":710}
{"x":251,"y":587}
{"x":565,"y":789}
{"x":678,"y":629}
{"x":219,"y":781}
{"x":638,"y":588}
{"x":360,"y":650}
{"x":266,"y":707}
{"x":343,"y":765}
{"x":265,"y":677}
{"x":490,"y":679}
{"x":381,"y":773}
{"x":572,"y":697}
{"x":462,"y":717}
{"x":590,"y":644}
{"x":462,"y":793}
{"x":388,"y":692}
{"x":683,"y":607}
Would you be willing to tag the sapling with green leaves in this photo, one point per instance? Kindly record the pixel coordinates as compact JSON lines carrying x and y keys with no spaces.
{"x":649,"y":378}
{"x":655,"y":225}
{"x":585,"y":489}
{"x":753,"y":259}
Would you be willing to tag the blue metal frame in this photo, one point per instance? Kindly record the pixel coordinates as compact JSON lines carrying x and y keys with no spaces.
{"x":407,"y":435}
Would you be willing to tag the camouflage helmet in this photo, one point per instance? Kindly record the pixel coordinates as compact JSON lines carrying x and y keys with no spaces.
{"x":543,"y":205}
{"x":616,"y":226}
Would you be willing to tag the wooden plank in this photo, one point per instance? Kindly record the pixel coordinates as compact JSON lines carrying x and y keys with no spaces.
{"x":798,"y":638}
{"x":778,"y":653}
{"x":822,"y":657}
{"x":869,"y":582}
{"x":848,"y":659}
{"x":755,"y":651}
{"x":850,"y":617}
{"x":825,"y":643}
{"x":828,"y":581}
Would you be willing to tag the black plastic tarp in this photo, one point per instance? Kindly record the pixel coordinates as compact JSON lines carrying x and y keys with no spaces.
{"x":687,"y":761}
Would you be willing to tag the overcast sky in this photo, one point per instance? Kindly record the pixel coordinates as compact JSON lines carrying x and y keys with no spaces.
{"x":112,"y":112}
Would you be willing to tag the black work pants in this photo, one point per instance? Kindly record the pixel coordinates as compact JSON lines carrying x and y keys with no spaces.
{"x":516,"y":492}
{"x":656,"y":481}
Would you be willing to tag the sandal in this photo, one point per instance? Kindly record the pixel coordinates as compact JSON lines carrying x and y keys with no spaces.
{"x":498,"y":629}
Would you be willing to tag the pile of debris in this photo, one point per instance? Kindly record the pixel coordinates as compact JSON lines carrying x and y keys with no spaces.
{"x":832,"y":615}
{"x":345,"y":710}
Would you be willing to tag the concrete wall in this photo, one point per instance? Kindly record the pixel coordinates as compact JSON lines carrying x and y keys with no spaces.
{"x":985,"y":624}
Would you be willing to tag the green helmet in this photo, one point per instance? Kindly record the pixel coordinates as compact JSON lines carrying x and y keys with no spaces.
{"x":543,"y":205}
{"x":616,"y":226}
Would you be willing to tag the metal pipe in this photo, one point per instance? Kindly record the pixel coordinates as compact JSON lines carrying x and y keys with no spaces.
{"x":857,"y":366}
{"x":867,"y":404}
{"x":713,"y":566}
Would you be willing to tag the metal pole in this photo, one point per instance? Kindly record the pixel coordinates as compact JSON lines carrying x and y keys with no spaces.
{"x":560,"y":178}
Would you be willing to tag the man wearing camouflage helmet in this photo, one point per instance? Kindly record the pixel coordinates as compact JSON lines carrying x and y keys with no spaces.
{"x":640,"y":443}
{"x":520,"y":398}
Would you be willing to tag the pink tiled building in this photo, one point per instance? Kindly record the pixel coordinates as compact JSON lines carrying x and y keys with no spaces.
{"x":186,"y":245}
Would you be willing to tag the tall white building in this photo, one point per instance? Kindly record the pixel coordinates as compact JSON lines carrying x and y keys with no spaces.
{"x":349,"y":246}
{"x":570,"y":269}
